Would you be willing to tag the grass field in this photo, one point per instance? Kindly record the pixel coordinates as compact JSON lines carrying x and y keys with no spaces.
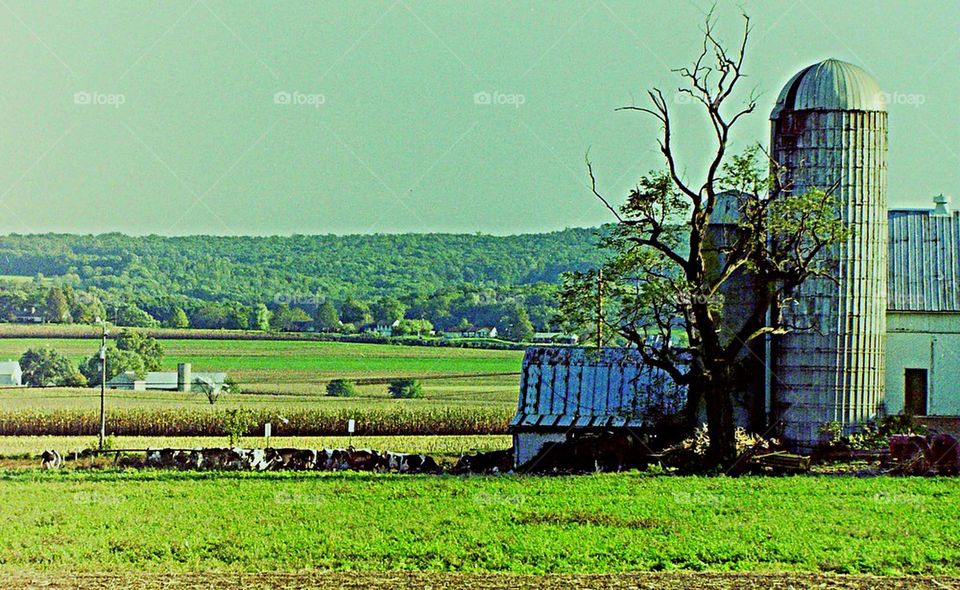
{"x":275,"y":361}
{"x":286,"y":522}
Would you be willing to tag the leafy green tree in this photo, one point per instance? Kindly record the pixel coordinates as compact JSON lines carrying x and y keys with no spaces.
{"x":327,"y":319}
{"x":516,"y":325}
{"x":238,"y":317}
{"x":148,"y":348}
{"x":355,"y":312}
{"x":178,"y":319}
{"x":261,"y":318}
{"x":413,"y":328}
{"x":118,"y":361}
{"x":405,"y":389}
{"x":341,"y":388}
{"x":129,"y":314}
{"x":87,"y":308}
{"x":285,"y":316}
{"x":57,"y":308}
{"x":237,"y":422}
{"x":45,"y":366}
{"x":387,"y":310}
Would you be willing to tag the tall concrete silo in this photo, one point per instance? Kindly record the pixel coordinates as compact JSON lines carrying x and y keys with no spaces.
{"x":739,"y":293}
{"x":829,"y":129}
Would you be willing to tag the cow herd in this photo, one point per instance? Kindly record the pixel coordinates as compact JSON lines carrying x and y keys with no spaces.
{"x":291,"y":459}
{"x":284,"y":459}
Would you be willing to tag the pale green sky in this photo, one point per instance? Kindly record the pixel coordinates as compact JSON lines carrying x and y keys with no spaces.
{"x":399,"y":144}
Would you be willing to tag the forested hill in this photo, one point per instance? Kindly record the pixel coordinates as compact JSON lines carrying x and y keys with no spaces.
{"x":184,"y":271}
{"x":244,"y":268}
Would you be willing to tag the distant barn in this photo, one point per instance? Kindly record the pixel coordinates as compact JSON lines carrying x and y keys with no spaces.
{"x":564,"y":391}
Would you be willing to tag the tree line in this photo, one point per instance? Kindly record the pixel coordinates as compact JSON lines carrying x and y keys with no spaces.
{"x":342,"y":283}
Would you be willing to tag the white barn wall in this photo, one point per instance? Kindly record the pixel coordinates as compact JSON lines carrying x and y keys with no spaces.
{"x":924,"y":341}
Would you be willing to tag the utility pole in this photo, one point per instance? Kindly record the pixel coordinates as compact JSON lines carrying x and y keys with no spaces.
{"x":103,"y":382}
{"x":600,"y":308}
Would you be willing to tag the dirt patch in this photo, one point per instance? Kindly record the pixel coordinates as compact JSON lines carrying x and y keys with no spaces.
{"x":406,"y":580}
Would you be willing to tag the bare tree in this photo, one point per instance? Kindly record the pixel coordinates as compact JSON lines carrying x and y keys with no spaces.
{"x":667,"y":275}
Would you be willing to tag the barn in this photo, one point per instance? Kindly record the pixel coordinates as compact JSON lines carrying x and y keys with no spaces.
{"x":923,"y":312}
{"x":566,"y":390}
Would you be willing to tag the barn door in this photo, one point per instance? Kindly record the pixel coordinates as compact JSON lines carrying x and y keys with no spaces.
{"x":915,"y":392}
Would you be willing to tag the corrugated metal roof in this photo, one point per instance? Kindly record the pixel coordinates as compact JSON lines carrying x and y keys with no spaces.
{"x":831,"y":85}
{"x":924,"y":261}
{"x":563,"y":388}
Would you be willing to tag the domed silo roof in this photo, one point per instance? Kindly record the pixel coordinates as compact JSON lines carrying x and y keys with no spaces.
{"x":831,"y":85}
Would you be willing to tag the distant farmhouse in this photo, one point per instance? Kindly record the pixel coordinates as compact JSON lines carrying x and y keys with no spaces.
{"x":555,"y":338}
{"x":887,"y":323}
{"x":381,"y":328}
{"x":183,"y":379}
{"x":471,"y":332}
{"x":10,"y":373}
{"x":28,"y":316}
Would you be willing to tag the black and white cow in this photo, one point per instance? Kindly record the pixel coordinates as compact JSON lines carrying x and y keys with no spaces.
{"x":51,"y":459}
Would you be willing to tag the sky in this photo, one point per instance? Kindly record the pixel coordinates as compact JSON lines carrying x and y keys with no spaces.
{"x":227,"y":117}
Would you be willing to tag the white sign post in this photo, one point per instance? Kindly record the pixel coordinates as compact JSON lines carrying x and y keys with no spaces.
{"x":351,"y":427}
{"x":267,"y":431}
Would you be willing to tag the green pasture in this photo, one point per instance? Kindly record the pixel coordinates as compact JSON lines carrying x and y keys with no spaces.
{"x":107,"y":521}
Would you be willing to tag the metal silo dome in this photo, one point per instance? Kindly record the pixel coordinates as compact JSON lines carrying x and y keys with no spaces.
{"x":831,"y":85}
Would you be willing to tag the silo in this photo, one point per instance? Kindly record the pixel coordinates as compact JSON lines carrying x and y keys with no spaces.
{"x":829,"y":131}
{"x":739,"y":293}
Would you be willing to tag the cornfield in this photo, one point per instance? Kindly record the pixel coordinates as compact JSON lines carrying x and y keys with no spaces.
{"x":295,"y":422}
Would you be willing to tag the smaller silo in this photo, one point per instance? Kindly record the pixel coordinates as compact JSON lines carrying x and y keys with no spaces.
{"x":739,"y":294}
{"x":184,"y":377}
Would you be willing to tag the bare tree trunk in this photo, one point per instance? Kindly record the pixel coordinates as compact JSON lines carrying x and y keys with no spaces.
{"x":692,"y":409}
{"x":720,"y":424}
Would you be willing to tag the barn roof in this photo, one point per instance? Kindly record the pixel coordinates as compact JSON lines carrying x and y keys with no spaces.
{"x":924,"y":261}
{"x":565,"y":388}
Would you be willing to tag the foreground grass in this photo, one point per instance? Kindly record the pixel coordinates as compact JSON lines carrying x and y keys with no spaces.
{"x":132,"y":521}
